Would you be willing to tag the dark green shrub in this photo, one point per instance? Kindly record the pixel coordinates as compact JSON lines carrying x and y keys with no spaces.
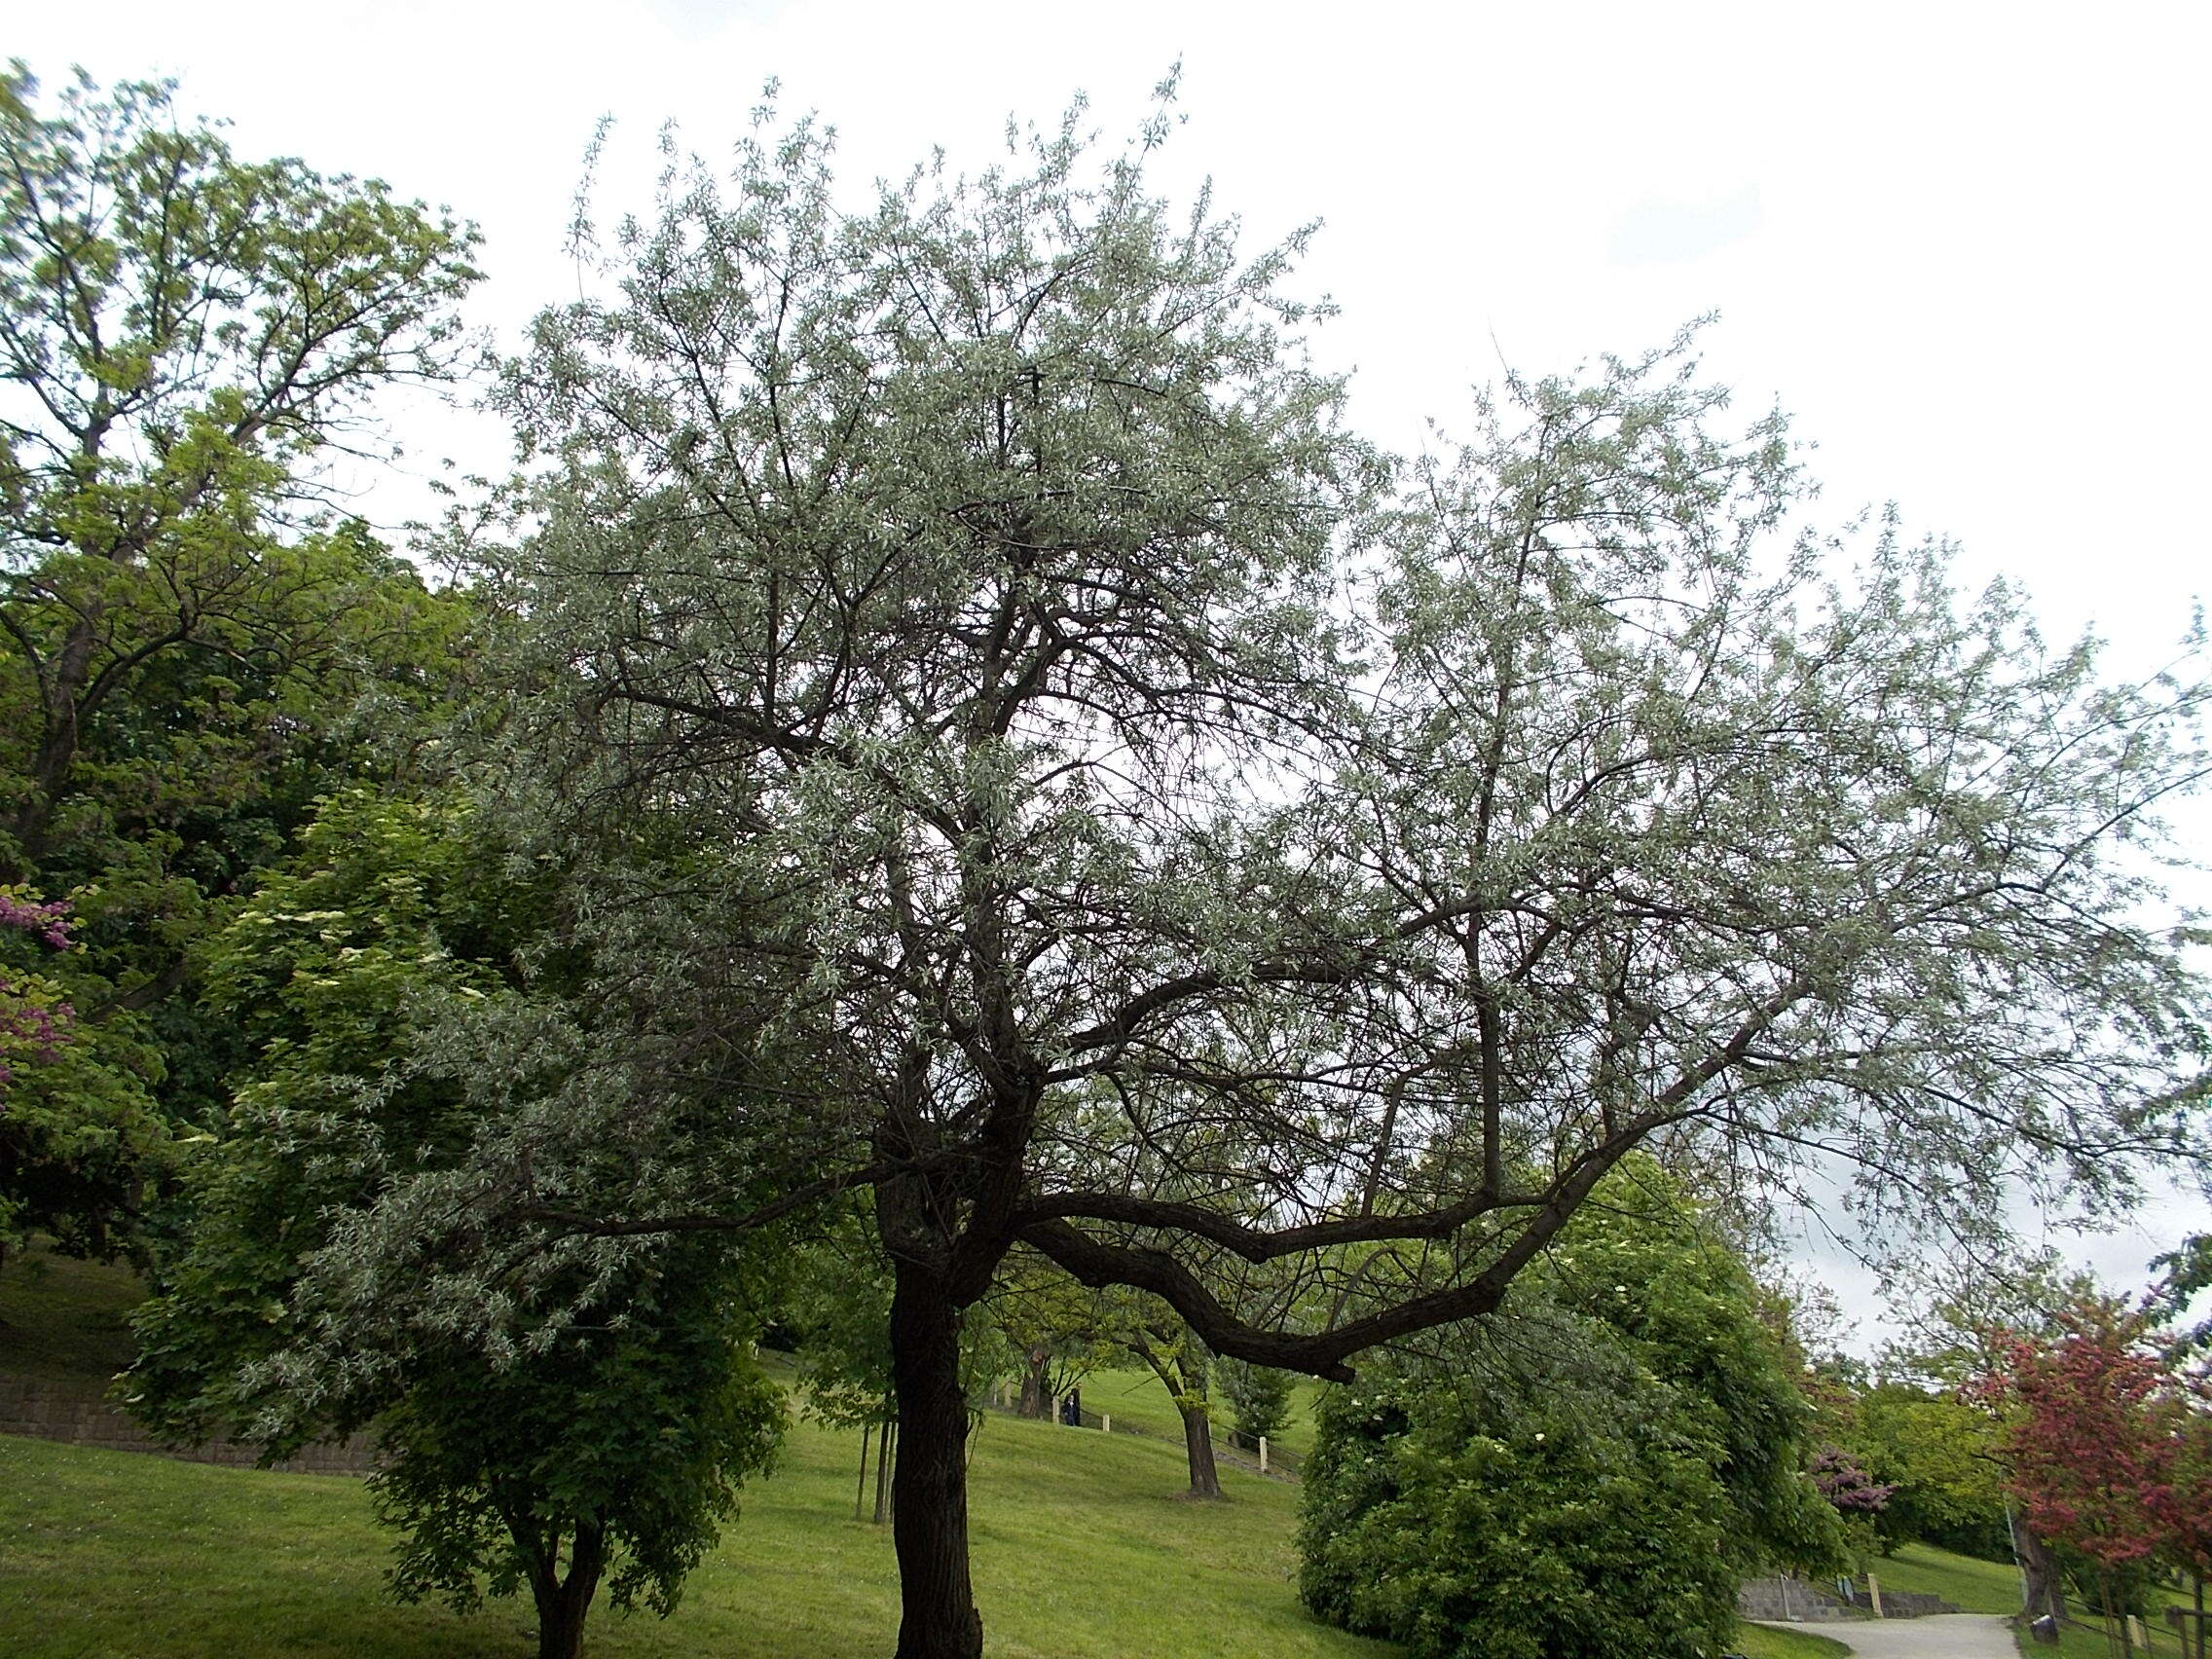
{"x":1518,"y":1518}
{"x":1585,"y":1475}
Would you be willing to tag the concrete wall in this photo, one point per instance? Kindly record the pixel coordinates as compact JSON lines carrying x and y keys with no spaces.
{"x":1902,"y":1604}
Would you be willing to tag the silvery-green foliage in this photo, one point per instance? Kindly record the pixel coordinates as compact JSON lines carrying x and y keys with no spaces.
{"x":972,"y":558}
{"x":1116,"y":811}
{"x":1720,"y":840}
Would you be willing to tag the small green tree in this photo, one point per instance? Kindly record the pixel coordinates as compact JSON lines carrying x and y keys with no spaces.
{"x":1169,"y":1348}
{"x":1259,"y":1395}
{"x":605,"y":1429}
{"x":617,"y":1450}
{"x":1940,"y":1456}
{"x":1054,"y":1332}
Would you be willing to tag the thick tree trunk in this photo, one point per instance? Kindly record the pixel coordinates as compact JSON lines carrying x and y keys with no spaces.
{"x":1035,"y":1401}
{"x":564,"y":1604}
{"x":929,"y":1487}
{"x":2043,"y":1590}
{"x":1197,"y":1442}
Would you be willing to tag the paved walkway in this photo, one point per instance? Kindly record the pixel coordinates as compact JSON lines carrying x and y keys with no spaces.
{"x":1945,"y":1635}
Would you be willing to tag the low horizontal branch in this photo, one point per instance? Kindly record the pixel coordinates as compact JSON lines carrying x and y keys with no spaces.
{"x":1261,"y":1244}
{"x":1099,"y":1263}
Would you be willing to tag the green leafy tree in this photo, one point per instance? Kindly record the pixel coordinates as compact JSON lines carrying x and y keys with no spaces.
{"x":1940,"y":1454}
{"x":1259,"y":1396}
{"x":1056,"y":1331}
{"x":1189,"y":845}
{"x":607,"y":1433}
{"x":1166,"y":1347}
{"x":617,"y":1450}
{"x":74,"y":1134}
{"x":2186,"y":1273}
{"x":186,"y":630}
{"x":1647,"y":1261}
{"x":1584,"y":1476}
{"x":1518,"y":1519}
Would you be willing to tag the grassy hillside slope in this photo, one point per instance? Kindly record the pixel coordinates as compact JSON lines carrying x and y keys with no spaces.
{"x":63,"y":1319}
{"x":1085,"y":1547}
{"x":1135,"y":1399}
{"x":1082,"y":1550}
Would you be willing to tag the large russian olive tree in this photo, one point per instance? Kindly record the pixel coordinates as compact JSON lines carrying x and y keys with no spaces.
{"x":1175,"y":839}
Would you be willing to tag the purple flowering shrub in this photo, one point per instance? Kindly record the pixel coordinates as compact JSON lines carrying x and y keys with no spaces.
{"x":34,"y":1017}
{"x":1845,"y":1483}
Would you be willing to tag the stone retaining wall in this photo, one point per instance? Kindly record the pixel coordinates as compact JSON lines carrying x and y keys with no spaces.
{"x":79,"y":1413}
{"x":1791,"y":1600}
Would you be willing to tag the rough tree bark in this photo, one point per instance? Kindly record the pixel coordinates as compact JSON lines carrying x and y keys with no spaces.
{"x":1197,"y":1443}
{"x":929,"y":1482}
{"x":1035,"y":1402}
{"x":563,"y":1603}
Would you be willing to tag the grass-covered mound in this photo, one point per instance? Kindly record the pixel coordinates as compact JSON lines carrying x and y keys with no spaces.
{"x":1083,"y":1548}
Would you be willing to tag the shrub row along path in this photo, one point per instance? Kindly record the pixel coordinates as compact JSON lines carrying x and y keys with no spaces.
{"x":1943,"y":1636}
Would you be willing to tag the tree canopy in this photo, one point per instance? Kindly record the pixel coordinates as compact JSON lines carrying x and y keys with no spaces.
{"x":1127,"y":816}
{"x":187,"y":625}
{"x":1182,"y":838}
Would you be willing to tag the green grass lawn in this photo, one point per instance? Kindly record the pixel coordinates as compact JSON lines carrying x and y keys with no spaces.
{"x":2086,"y":1641}
{"x":1084,"y":1546}
{"x":1970,"y":1585}
{"x":1134,"y":1398}
{"x":1766,"y":1641}
{"x":1082,"y":1550}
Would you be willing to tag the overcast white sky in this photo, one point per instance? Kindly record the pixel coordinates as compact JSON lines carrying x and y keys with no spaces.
{"x":1963,"y":242}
